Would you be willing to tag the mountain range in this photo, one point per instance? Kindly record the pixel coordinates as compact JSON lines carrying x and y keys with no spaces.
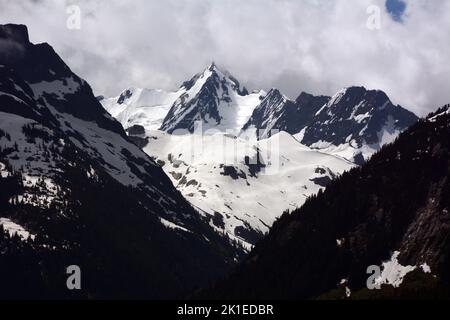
{"x":298,"y":145}
{"x":353,"y":124}
{"x":214,"y":191}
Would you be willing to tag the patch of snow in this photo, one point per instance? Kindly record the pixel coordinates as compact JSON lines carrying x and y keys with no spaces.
{"x":389,"y":132}
{"x":433,"y":119}
{"x":393,"y":272}
{"x":91,"y":173}
{"x":299,"y":136}
{"x":58,"y":88}
{"x":3,"y":172}
{"x":361,"y":117}
{"x":425,"y":268}
{"x":15,"y":229}
{"x":172,"y":225}
{"x":334,"y":100}
{"x":348,"y":292}
{"x":12,"y":96}
{"x":321,"y":109}
{"x":321,"y":145}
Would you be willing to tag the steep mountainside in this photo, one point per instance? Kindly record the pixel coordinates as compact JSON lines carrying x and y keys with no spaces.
{"x":363,"y":119}
{"x":277,"y":112}
{"x":394,"y":209}
{"x":75,"y":191}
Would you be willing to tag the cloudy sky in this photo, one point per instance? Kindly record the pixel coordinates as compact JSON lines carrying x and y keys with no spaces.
{"x":316,"y":46}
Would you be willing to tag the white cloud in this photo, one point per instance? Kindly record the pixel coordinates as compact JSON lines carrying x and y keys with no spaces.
{"x":311,"y":45}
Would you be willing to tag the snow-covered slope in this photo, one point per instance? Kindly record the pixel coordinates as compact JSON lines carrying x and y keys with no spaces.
{"x":14,"y":229}
{"x":243,"y":186}
{"x":143,"y":107}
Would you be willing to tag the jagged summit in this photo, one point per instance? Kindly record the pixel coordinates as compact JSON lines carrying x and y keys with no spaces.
{"x":215,"y":98}
{"x":212,"y":66}
{"x":271,"y":114}
{"x":353,"y":123}
{"x":275,"y":93}
{"x":15,"y":32}
{"x":308,"y":101}
{"x":215,"y":73}
{"x":348,"y":96}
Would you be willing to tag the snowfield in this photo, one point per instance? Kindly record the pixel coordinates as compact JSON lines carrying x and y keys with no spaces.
{"x":144,"y":107}
{"x":220,"y":176}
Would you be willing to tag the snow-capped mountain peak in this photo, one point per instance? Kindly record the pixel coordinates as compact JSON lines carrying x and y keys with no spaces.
{"x":268,"y":115}
{"x":215,"y":98}
{"x":356,"y":117}
{"x":213,"y":73}
{"x":353,"y":98}
{"x":353,"y":123}
{"x":275,"y":94}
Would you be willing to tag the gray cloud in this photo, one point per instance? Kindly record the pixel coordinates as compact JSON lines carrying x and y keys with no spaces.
{"x":311,"y":45}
